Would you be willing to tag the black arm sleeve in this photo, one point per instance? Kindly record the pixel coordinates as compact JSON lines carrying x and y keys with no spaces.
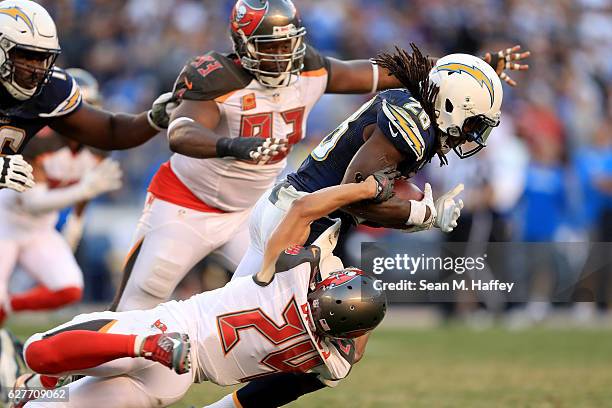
{"x":277,"y":390}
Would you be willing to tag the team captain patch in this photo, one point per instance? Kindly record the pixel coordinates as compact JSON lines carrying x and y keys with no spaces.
{"x":404,"y":125}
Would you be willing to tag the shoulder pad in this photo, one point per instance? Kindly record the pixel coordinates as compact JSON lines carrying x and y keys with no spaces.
{"x":209,"y":76}
{"x":313,"y":61}
{"x":404,"y":122}
{"x":297,"y":255}
{"x":59,"y":97}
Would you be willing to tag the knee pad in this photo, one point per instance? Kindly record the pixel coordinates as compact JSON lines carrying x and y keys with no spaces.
{"x":162,"y":278}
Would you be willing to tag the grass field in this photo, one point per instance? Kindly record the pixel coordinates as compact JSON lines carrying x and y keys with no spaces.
{"x":459,"y":367}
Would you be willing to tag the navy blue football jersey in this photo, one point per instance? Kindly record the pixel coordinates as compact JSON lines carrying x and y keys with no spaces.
{"x":20,"y":121}
{"x":401,"y":119}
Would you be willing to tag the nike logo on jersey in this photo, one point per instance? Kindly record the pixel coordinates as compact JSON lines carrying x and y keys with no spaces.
{"x":393,"y":132}
{"x":188,"y":84}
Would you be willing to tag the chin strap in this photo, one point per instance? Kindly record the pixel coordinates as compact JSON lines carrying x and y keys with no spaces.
{"x":17,"y":92}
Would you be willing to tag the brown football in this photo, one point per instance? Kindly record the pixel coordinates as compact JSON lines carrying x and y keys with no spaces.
{"x":406,"y":190}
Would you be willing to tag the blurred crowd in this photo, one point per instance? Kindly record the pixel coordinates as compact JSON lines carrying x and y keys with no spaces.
{"x":547,"y":173}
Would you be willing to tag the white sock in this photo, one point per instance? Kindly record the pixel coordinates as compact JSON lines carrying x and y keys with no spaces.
{"x":225,"y":402}
{"x":138,"y":341}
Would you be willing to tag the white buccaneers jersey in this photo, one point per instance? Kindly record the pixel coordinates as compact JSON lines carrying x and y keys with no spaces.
{"x":247,"y":109}
{"x":64,"y":167}
{"x":246,"y":330}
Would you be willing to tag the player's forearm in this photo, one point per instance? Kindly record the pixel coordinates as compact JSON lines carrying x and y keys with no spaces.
{"x":127,"y":131}
{"x":105,"y":130}
{"x":40,"y":199}
{"x":191,"y":139}
{"x":323,"y":202}
{"x":390,"y":213}
{"x":293,"y":229}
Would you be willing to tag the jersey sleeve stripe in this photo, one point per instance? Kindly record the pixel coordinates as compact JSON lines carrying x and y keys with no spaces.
{"x":68,"y":105}
{"x":71,"y":102}
{"x":316,"y":73}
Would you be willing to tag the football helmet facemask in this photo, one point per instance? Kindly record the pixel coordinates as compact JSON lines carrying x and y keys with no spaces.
{"x":468,"y":103}
{"x":346,"y":304}
{"x":269,"y":39}
{"x":28,"y":47}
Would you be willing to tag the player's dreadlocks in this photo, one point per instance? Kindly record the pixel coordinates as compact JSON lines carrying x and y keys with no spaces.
{"x":413,"y":72}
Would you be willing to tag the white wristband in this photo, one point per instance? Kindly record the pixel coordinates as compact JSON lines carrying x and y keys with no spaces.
{"x":418,"y":211}
{"x":177,"y":121}
{"x":374,"y":76}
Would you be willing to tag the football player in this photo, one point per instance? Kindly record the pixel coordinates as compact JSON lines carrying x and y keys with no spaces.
{"x":297,"y":314}
{"x":34,"y":93}
{"x":200,"y":200}
{"x":68,"y":174}
{"x":450,"y":105}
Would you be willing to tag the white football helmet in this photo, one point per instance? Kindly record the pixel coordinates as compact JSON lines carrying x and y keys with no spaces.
{"x":469,"y":101}
{"x":27,"y":33}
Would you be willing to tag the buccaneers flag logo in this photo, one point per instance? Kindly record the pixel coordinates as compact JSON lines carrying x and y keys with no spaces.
{"x":246,"y":18}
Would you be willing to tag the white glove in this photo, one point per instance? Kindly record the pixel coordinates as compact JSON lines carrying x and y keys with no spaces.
{"x":15,"y":173}
{"x":103,"y":178}
{"x":270,"y":148}
{"x":448,"y":209}
{"x":418,"y":219}
{"x":73,"y":231}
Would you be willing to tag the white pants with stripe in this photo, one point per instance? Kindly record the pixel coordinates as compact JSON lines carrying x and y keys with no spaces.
{"x":172,"y":240}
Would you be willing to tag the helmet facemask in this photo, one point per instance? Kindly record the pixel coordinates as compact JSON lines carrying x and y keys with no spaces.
{"x":472,"y":136}
{"x":274,"y":69}
{"x":22,"y":78}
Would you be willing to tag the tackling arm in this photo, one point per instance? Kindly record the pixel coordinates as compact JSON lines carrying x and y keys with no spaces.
{"x":105,"y":130}
{"x":295,"y":227}
{"x":360,"y":76}
{"x":190,"y":133}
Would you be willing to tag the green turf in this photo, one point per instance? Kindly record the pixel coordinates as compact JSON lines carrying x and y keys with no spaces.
{"x":458,"y":367}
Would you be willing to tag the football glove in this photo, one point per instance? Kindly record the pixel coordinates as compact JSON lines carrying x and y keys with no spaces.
{"x":419,"y":220}
{"x":159,"y":114}
{"x":385,"y":181}
{"x":15,"y":173}
{"x":508,"y":59}
{"x":251,"y":148}
{"x":448,"y":209}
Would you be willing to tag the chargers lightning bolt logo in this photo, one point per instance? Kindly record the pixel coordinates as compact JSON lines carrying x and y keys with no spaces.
{"x":474,"y":72}
{"x":17,"y":14}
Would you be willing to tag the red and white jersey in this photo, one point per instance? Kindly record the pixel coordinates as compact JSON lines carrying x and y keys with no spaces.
{"x":62,"y":167}
{"x":248,"y":109}
{"x":246,"y":330}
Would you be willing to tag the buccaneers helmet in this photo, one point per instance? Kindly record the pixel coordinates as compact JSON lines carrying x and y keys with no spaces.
{"x":28,"y":47}
{"x":468,"y":103}
{"x":346,"y":304}
{"x":269,"y":39}
{"x":90,"y":89}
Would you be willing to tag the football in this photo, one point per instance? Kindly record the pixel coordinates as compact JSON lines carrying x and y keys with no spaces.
{"x":407,"y":190}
